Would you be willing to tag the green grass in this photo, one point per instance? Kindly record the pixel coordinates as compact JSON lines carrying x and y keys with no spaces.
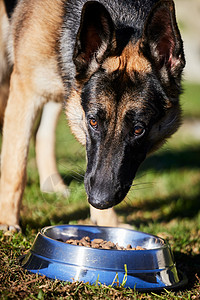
{"x":191,"y":100}
{"x":164,"y":201}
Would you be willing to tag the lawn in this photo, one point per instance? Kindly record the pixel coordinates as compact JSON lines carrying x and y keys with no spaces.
{"x":165,"y":200}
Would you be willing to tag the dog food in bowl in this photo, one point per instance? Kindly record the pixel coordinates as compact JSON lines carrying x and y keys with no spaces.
{"x":100,"y":244}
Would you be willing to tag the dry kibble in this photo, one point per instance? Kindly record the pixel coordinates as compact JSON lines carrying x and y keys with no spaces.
{"x":100,"y":244}
{"x":139,"y":248}
{"x":111,"y":245}
{"x":85,"y":241}
{"x":96,"y":246}
{"x":129,"y":247}
{"x":98,"y":241}
{"x":105,"y":247}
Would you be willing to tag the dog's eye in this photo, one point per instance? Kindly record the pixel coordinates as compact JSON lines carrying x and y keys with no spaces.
{"x":93,"y":123}
{"x":138,"y":130}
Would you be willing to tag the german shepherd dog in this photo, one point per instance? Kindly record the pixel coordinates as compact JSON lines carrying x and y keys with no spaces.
{"x":117,"y":66}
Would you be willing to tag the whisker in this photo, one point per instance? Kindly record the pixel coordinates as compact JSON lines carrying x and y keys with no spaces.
{"x":63,"y":165}
{"x":76,"y":178}
{"x":144,"y":174}
{"x":81,"y":168}
{"x":81,"y":175}
{"x":138,"y":189}
{"x":125,"y":200}
{"x":142,"y":183}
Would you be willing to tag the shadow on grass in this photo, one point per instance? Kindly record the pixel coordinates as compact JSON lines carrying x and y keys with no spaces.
{"x":170,"y":208}
{"x":187,"y":158}
{"x":65,"y":218}
{"x":190,"y":266}
{"x":174,"y":206}
{"x":78,"y":214}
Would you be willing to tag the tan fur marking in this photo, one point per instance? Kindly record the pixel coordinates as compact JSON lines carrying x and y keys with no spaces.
{"x":127,"y":106}
{"x":124,"y":106}
{"x":112,"y":64}
{"x":130,"y":60}
{"x":136,"y":61}
{"x":76,"y":116}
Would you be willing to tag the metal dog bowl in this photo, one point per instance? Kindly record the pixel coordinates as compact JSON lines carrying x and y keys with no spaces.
{"x":150,"y":269}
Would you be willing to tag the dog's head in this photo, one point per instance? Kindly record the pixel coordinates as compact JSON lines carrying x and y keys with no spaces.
{"x":129,"y":94}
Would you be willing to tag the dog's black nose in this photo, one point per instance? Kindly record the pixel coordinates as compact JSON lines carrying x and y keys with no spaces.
{"x":101,"y":202}
{"x":104,"y":191}
{"x":101,"y":193}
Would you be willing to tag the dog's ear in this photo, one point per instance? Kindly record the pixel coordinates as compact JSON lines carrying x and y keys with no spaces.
{"x":161,"y":41}
{"x":94,"y":38}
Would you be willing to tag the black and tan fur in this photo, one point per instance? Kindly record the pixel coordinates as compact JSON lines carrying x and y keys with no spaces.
{"x":116,"y":64}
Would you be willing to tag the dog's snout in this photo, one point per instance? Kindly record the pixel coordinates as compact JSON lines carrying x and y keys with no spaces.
{"x":100,"y":202}
{"x":102,"y":194}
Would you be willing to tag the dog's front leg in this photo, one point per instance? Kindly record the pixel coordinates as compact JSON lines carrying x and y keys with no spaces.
{"x":50,"y":179}
{"x":19,"y":117}
{"x":106,"y":217}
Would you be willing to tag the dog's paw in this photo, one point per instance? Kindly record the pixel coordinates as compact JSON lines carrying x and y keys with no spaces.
{"x":55,"y":184}
{"x":107,"y":217}
{"x":60,"y":190}
{"x":10,"y":228}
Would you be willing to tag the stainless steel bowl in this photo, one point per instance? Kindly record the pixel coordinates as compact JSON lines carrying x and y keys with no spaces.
{"x":150,"y":269}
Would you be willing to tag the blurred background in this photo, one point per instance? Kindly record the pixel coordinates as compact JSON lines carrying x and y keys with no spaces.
{"x":188,"y":15}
